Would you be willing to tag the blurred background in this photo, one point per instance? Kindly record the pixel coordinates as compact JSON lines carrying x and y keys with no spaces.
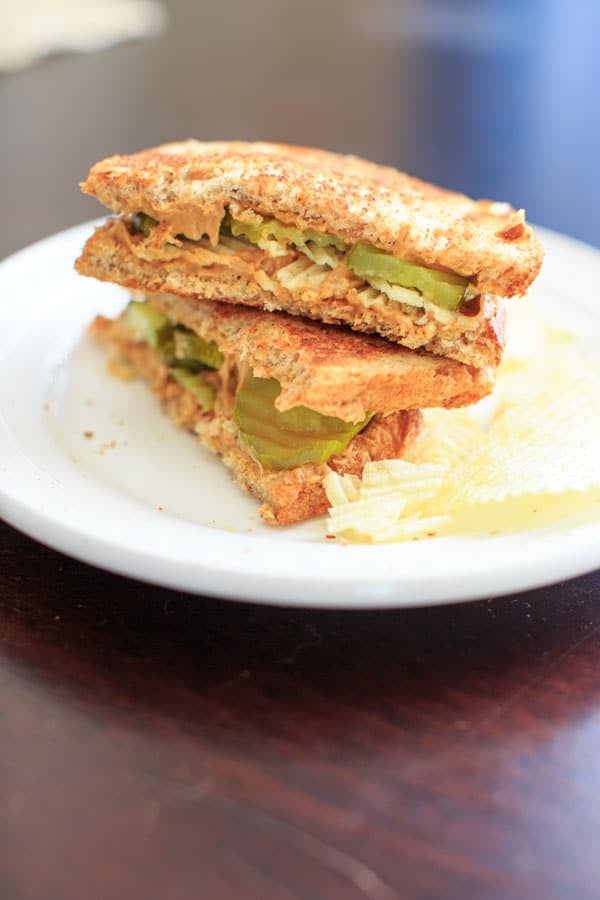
{"x":496,"y":98}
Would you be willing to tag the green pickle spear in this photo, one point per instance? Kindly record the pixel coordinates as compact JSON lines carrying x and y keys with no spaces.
{"x":283,"y":440}
{"x":146,"y":323}
{"x":441,"y":288}
{"x":191,"y":351}
{"x":202,"y":392}
{"x":271,"y":228}
{"x":142,"y":223}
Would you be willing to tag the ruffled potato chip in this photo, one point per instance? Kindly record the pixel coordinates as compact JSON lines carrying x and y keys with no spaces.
{"x":527,"y":456}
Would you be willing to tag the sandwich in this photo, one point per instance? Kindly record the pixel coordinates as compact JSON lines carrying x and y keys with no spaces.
{"x":315,"y":234}
{"x":282,"y":399}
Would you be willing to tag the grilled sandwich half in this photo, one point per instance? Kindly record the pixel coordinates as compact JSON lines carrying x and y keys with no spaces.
{"x":282,"y":399}
{"x":329,"y":237}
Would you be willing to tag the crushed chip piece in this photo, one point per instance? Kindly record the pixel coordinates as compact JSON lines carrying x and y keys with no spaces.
{"x":341,"y":488}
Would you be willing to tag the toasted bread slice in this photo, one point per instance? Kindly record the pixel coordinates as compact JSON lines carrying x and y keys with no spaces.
{"x":188,"y":186}
{"x":287,"y":496}
{"x":327,"y":368}
{"x":240,"y":272}
{"x":194,"y":192}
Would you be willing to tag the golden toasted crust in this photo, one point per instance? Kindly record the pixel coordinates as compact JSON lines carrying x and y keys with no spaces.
{"x":253,"y":278}
{"x":190,"y":184}
{"x":329,"y":369}
{"x":287,"y":496}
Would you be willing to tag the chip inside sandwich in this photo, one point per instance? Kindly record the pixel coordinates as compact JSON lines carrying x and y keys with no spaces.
{"x":315,"y":234}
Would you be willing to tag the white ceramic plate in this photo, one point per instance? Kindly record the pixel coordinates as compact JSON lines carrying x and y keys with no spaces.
{"x":89,"y":466}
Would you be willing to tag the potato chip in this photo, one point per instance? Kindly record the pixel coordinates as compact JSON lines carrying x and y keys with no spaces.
{"x":529,"y":455}
{"x":341,"y":488}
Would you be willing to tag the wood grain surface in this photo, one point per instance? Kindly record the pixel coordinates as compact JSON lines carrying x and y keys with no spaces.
{"x":159,"y":746}
{"x":154,"y":744}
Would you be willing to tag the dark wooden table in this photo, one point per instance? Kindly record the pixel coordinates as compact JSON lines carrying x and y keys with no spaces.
{"x":157,"y":745}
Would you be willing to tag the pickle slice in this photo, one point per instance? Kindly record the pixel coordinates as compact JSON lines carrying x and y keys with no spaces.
{"x":141,"y":223}
{"x":283,"y":440}
{"x":444,"y":289}
{"x":298,"y":237}
{"x":193,"y":352}
{"x":146,"y":323}
{"x":203,"y":393}
{"x":271,"y":228}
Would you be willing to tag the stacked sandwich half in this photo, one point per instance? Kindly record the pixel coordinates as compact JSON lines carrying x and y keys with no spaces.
{"x":295,"y":308}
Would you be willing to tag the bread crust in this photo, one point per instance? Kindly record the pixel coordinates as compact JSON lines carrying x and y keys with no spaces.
{"x":191,"y":183}
{"x":113,"y":254}
{"x":287,"y":496}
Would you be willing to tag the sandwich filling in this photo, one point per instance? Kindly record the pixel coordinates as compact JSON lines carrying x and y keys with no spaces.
{"x":307,"y":259}
{"x":320,"y":235}
{"x":273,"y":438}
